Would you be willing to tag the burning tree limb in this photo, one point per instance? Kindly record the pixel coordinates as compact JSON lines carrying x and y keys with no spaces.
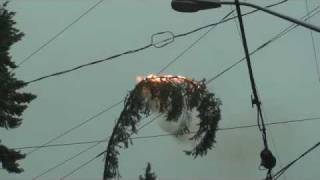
{"x":169,"y":95}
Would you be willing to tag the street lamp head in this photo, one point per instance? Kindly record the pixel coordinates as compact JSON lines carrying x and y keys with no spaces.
{"x":184,"y":5}
{"x":194,"y":5}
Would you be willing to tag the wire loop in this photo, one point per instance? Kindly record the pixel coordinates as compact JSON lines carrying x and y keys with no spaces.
{"x":164,"y":42}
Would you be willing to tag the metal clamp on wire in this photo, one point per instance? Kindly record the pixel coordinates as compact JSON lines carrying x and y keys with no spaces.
{"x":255,"y":101}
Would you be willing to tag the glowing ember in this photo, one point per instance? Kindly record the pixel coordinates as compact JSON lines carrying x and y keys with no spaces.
{"x":155,"y":87}
{"x":163,"y":78}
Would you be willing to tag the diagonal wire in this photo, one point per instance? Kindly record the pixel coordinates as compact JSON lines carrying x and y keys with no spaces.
{"x":170,"y":134}
{"x":274,"y":143}
{"x":315,"y":55}
{"x":165,"y":67}
{"x":263,"y":45}
{"x":90,"y":64}
{"x":97,"y":156}
{"x":143,"y":48}
{"x":60,"y":32}
{"x":195,"y":42}
{"x":96,"y":143}
{"x":75,"y":127}
{"x":225,"y":21}
{"x":280,"y":172}
{"x":209,"y":81}
{"x":69,"y":159}
{"x":118,"y":103}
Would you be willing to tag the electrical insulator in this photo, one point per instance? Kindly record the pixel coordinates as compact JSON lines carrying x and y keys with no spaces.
{"x":268,"y":161}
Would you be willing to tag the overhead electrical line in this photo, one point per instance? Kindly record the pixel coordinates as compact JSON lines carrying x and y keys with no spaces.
{"x":164,"y":68}
{"x":60,"y":32}
{"x":169,"y":134}
{"x":89,"y":161}
{"x":86,"y":150}
{"x":285,"y":31}
{"x":315,"y":54}
{"x":280,"y":172}
{"x":118,"y":103}
{"x":77,"y":126}
{"x":141,"y":48}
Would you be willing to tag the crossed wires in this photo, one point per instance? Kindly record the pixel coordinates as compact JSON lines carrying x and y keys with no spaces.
{"x":90,"y":9}
{"x":151,"y":44}
{"x":134,"y":51}
{"x":315,"y":54}
{"x":58,"y":165}
{"x":261,"y":48}
{"x":268,"y":161}
{"x":108,"y":108}
{"x":263,"y":45}
{"x":170,"y":134}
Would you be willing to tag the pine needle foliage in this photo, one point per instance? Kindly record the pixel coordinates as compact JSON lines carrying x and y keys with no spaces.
{"x":148,"y":174}
{"x":170,"y":95}
{"x":8,"y":158}
{"x":12,"y":101}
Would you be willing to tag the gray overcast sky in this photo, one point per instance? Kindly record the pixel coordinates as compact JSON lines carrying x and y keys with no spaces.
{"x":285,"y":73}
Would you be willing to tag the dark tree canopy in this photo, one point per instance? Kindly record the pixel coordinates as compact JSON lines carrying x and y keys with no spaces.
{"x":12,"y":101}
{"x":148,"y":174}
{"x":8,"y":158}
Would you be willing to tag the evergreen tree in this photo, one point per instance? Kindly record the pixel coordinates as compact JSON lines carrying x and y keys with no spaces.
{"x":148,"y":174}
{"x":12,"y":101}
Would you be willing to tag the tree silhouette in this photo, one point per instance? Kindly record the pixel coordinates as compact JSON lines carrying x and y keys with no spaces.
{"x":12,"y":101}
{"x":169,"y":95}
{"x":148,"y":174}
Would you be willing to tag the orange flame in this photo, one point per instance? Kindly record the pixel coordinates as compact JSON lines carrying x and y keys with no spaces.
{"x":161,"y":78}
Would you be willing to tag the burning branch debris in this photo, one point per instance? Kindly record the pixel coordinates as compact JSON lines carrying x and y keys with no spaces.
{"x":169,"y":95}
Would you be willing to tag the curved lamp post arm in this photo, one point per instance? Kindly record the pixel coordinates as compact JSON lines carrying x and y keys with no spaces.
{"x":196,"y":5}
{"x":296,"y":21}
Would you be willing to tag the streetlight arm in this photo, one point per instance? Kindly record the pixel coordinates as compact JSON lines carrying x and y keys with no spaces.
{"x":296,"y":21}
{"x":196,"y":5}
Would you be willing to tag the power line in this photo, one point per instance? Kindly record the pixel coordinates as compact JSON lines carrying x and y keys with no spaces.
{"x":142,"y":48}
{"x":100,"y":113}
{"x":103,"y":152}
{"x":60,"y":32}
{"x":96,"y":143}
{"x":170,"y":134}
{"x":116,"y":104}
{"x":90,"y":64}
{"x":209,"y":81}
{"x":68,"y":159}
{"x":164,"y":68}
{"x":162,"y":135}
{"x":75,"y":127}
{"x":194,"y":43}
{"x":268,"y":161}
{"x":274,"y":144}
{"x":263,"y":45}
{"x":170,"y":63}
{"x":251,"y":12}
{"x":129,"y":52}
{"x":279,"y":173}
{"x":315,"y":55}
